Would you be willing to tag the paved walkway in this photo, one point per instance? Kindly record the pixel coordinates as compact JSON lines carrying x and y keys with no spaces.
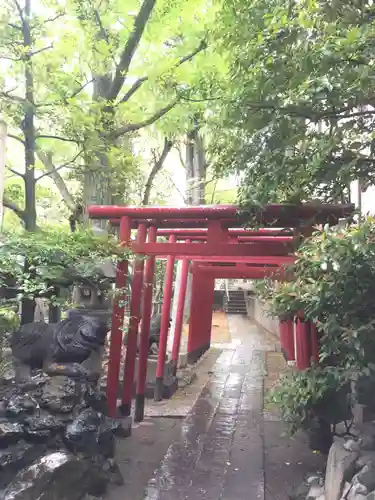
{"x":220,"y":451}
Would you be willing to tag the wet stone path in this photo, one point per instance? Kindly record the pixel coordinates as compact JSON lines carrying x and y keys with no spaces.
{"x":220,"y":451}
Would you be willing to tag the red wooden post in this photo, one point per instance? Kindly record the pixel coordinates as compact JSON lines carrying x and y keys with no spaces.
{"x":145,"y":332}
{"x":287,"y":339}
{"x":164,"y":327}
{"x":202,"y":294}
{"x":302,"y":345}
{"x":117,"y":322}
{"x":135,"y":310}
{"x":180,"y":313}
{"x":314,"y":344}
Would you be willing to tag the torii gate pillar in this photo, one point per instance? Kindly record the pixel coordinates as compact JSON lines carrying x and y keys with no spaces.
{"x":202,"y":297}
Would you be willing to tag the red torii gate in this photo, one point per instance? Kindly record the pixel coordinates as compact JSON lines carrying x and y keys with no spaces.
{"x":219,"y":247}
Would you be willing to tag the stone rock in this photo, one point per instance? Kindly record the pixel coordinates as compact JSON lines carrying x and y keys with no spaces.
{"x":367,"y":432}
{"x":371,"y":496}
{"x":95,"y":398}
{"x":301,"y":491}
{"x":8,"y":377}
{"x":315,"y":481}
{"x":106,"y":436}
{"x":366,"y":477}
{"x":125,"y":428}
{"x":366,"y":458}
{"x":113,"y":471}
{"x":315,"y":491}
{"x":71,"y":370}
{"x":346,"y":489}
{"x":60,"y":395}
{"x":10,"y":432}
{"x":40,"y":428}
{"x":81,"y":434}
{"x":20,"y":405}
{"x":340,"y":467}
{"x":16,"y":457}
{"x":353,"y":444}
{"x":356,"y":490}
{"x":55,"y":476}
{"x":35,"y":381}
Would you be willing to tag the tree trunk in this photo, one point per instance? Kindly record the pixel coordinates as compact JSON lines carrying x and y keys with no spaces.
{"x":158,"y":165}
{"x":3,"y":136}
{"x":195,"y":168}
{"x":199,"y":170}
{"x":190,"y":147}
{"x":28,"y":305}
{"x":97,"y":172}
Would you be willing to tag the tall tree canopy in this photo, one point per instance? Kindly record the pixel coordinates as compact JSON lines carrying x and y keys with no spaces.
{"x":298,"y":118}
{"x":82,"y":78}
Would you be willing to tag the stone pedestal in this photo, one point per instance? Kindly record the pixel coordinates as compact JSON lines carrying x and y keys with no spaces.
{"x":170,"y":381}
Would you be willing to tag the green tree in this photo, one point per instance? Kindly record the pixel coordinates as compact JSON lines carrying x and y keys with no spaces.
{"x":83,"y":78}
{"x":298,"y":118}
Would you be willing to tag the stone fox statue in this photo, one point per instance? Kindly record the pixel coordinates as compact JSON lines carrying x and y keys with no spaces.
{"x":69,"y":341}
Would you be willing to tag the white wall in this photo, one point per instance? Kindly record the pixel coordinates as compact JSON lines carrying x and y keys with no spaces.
{"x":257,"y":310}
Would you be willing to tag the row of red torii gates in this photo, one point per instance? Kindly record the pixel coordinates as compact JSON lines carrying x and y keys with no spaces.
{"x":211,"y":242}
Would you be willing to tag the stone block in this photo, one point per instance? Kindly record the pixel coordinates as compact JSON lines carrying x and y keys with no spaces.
{"x":340,"y":468}
{"x":170,"y":381}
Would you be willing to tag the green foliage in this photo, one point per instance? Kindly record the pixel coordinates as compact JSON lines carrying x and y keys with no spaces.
{"x":334,"y":285}
{"x":101,"y":72}
{"x":9,"y":321}
{"x":297,"y":118}
{"x":55,"y":259}
{"x":300,"y":395}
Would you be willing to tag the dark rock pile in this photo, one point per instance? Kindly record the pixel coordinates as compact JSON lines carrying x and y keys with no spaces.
{"x":56,"y":442}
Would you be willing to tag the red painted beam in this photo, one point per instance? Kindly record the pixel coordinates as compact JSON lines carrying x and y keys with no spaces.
{"x":248,"y":260}
{"x":285,"y":222}
{"x":257,"y":259}
{"x":244,"y":239}
{"x":232,"y":232}
{"x":163,"y":212}
{"x":301,"y":211}
{"x":207,"y":249}
{"x":244,"y":272}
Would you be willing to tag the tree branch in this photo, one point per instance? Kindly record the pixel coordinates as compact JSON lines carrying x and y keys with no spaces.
{"x":132,"y":127}
{"x":41,"y":50}
{"x":56,"y":137}
{"x":9,"y":58}
{"x":20,"y":11}
{"x":7,"y":95}
{"x":46,"y":159}
{"x":52,"y":19}
{"x":180,"y":156}
{"x":133,"y":89}
{"x":14,"y":26}
{"x":13,"y":206}
{"x":66,"y":98}
{"x":16,"y":138}
{"x":127,"y":55}
{"x":138,"y":83}
{"x":15,"y":171}
{"x":158,"y":165}
{"x":56,"y":169}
